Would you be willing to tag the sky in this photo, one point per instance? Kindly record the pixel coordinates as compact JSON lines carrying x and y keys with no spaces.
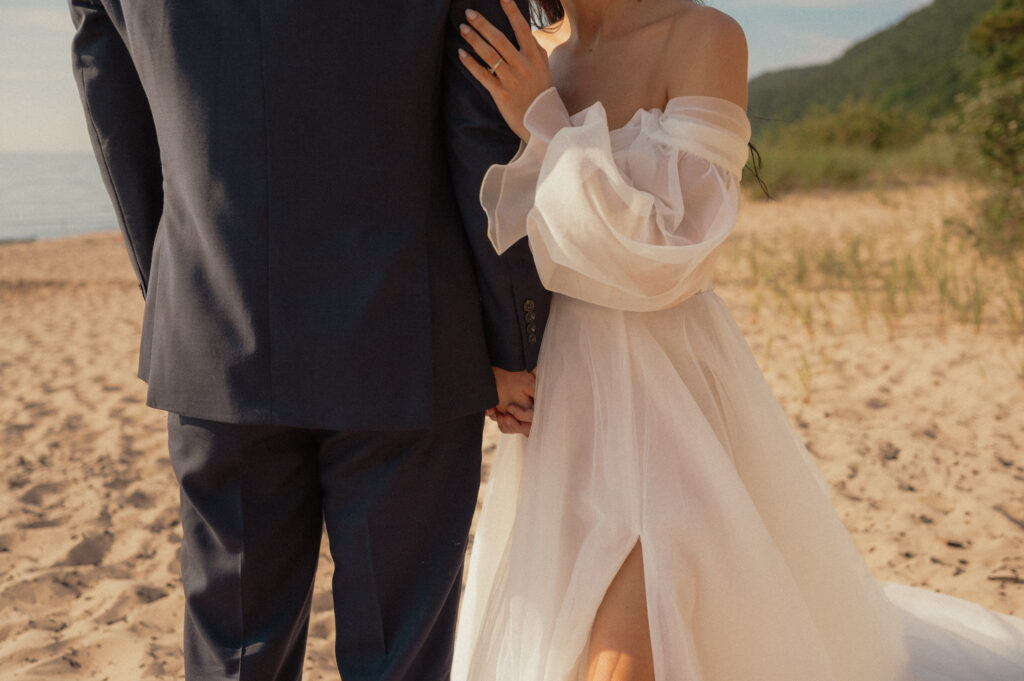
{"x":40,"y":110}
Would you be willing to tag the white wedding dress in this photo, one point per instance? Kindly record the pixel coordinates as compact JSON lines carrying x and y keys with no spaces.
{"x":655,"y":425}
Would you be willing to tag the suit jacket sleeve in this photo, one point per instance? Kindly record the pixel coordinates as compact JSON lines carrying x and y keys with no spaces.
{"x":515,"y":304}
{"x":121,"y":127}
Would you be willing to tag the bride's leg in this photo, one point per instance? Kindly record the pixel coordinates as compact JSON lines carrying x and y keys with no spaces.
{"x":620,"y":642}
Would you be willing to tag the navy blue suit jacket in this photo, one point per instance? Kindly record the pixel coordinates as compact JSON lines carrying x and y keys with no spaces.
{"x":297,"y":184}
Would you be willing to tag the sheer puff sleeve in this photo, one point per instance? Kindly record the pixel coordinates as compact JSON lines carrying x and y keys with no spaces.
{"x":628,"y":218}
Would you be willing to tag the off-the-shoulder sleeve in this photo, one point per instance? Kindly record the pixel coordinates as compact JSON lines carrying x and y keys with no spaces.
{"x":632,"y":230}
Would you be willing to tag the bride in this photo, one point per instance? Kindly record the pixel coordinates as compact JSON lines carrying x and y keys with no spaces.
{"x":662,"y":521}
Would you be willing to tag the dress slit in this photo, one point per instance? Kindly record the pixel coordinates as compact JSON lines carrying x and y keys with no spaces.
{"x":626,"y":603}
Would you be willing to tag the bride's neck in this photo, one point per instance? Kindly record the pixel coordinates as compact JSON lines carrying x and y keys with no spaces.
{"x":590,"y":21}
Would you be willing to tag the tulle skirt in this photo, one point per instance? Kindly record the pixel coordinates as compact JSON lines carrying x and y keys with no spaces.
{"x":658,"y":428}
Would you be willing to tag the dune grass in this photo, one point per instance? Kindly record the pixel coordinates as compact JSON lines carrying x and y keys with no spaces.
{"x":789,"y":167}
{"x":940,"y":276}
{"x":881,"y":285}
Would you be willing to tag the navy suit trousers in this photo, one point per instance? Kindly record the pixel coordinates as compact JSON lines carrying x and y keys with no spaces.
{"x":397,"y":506}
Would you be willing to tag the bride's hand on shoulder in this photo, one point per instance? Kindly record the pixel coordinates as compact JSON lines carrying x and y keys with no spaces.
{"x":513,"y":77}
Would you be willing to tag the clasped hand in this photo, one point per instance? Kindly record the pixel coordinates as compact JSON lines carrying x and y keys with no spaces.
{"x":513,"y":77}
{"x":514,"y":411}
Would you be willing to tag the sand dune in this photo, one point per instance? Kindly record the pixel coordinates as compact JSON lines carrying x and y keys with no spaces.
{"x":918,"y":432}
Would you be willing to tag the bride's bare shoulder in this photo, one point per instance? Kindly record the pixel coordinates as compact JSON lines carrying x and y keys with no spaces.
{"x":707,"y":55}
{"x":707,"y":24}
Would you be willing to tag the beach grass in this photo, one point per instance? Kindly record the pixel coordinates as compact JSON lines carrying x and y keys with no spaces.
{"x":792,"y":166}
{"x":935,"y":277}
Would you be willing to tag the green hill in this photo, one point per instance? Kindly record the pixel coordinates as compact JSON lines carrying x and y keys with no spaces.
{"x":918,"y":65}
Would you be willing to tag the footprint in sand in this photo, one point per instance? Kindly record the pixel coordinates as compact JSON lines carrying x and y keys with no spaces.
{"x":139,"y":499}
{"x":37,"y":493}
{"x":127,"y":603}
{"x":90,"y":551}
{"x":41,"y":590}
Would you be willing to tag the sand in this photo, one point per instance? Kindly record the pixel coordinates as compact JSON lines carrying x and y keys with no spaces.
{"x":918,"y":432}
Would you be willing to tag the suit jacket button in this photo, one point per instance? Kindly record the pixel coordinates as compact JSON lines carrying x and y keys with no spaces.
{"x":532,"y":338}
{"x":531,"y":316}
{"x":529,"y":305}
{"x":531,"y":328}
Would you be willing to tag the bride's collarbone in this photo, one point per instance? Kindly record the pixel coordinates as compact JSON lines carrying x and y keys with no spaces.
{"x":624,"y":80}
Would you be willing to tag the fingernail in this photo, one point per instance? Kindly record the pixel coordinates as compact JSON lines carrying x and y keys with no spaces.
{"x":464,"y":28}
{"x":471,"y":14}
{"x":462,"y":53}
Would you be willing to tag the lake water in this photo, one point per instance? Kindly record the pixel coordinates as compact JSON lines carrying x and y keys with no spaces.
{"x":52,"y":195}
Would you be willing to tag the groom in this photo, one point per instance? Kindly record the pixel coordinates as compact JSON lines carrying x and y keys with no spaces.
{"x":296,"y":182}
